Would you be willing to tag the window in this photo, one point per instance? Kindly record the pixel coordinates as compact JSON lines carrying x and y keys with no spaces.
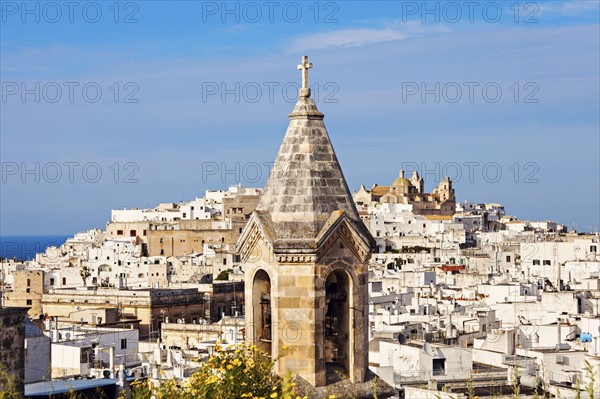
{"x":29,"y":282}
{"x":29,"y":302}
{"x":536,"y":262}
{"x":546,"y":262}
{"x":86,"y":355}
{"x":439,"y":366}
{"x":64,"y":281}
{"x":123,"y":343}
{"x":132,"y":233}
{"x":162,"y":251}
{"x":119,"y":232}
{"x":508,"y":258}
{"x":224,"y":261}
{"x":144,"y":232}
{"x":51,"y":281}
{"x":593,"y":248}
{"x":28,"y":290}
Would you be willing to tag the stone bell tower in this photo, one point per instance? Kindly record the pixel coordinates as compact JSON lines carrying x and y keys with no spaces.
{"x":305,"y":252}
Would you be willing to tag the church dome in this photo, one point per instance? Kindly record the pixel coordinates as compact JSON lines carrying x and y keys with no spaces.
{"x":401,"y":185}
{"x":401,"y":182}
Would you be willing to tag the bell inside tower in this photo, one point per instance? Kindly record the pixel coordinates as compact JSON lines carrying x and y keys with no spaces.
{"x":337,"y":322}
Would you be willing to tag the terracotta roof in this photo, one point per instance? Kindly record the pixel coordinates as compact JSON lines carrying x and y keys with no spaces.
{"x":380,"y":190}
{"x":438,"y":217}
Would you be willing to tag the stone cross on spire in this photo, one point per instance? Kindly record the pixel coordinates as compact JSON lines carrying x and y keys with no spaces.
{"x":305,"y":66}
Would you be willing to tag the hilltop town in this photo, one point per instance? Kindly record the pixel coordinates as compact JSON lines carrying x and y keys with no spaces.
{"x":438,"y":298}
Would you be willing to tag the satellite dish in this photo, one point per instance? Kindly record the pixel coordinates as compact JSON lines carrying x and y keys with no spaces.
{"x":401,"y":339}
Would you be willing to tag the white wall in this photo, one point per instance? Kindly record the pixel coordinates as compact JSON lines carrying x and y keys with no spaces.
{"x":37,"y":359}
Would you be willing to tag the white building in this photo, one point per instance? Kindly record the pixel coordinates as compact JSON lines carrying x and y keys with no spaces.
{"x":37,"y":354}
{"x":418,"y":361}
{"x":76,"y":351}
{"x":548,"y":259}
{"x":394,"y":226}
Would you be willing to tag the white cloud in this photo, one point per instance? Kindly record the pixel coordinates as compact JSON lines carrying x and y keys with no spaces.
{"x":569,"y":8}
{"x":344,"y":38}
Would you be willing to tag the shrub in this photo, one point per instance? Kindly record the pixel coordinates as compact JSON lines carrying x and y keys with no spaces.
{"x":242,"y":371}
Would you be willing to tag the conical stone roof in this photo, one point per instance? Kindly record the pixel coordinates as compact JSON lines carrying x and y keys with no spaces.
{"x":306,"y":184}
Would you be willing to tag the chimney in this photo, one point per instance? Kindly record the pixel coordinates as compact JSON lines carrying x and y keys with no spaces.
{"x":559,"y":339}
{"x":55,"y":329}
{"x":111,"y":361}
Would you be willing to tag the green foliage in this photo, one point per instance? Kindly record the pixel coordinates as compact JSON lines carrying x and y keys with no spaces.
{"x":241,"y":372}
{"x":589,"y":388}
{"x":516,"y":386}
{"x":224,"y":275}
{"x":8,"y":385}
{"x":84,"y":273}
{"x":415,"y":249}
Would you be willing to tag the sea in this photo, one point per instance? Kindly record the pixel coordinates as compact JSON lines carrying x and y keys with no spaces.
{"x":25,"y":247}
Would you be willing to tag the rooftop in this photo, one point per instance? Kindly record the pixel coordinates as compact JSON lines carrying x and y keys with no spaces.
{"x":47,"y":388}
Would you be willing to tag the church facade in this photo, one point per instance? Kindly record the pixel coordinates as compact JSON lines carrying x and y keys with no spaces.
{"x":440,"y":202}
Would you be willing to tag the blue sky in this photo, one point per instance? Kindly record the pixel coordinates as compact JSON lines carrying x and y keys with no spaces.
{"x":502,"y":96}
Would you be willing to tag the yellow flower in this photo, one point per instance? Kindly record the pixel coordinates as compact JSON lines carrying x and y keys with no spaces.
{"x":274,"y":395}
{"x":212,"y":379}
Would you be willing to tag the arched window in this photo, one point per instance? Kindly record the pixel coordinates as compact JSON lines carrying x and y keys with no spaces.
{"x":104,"y":268}
{"x":337,"y":320}
{"x":261,"y":302}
